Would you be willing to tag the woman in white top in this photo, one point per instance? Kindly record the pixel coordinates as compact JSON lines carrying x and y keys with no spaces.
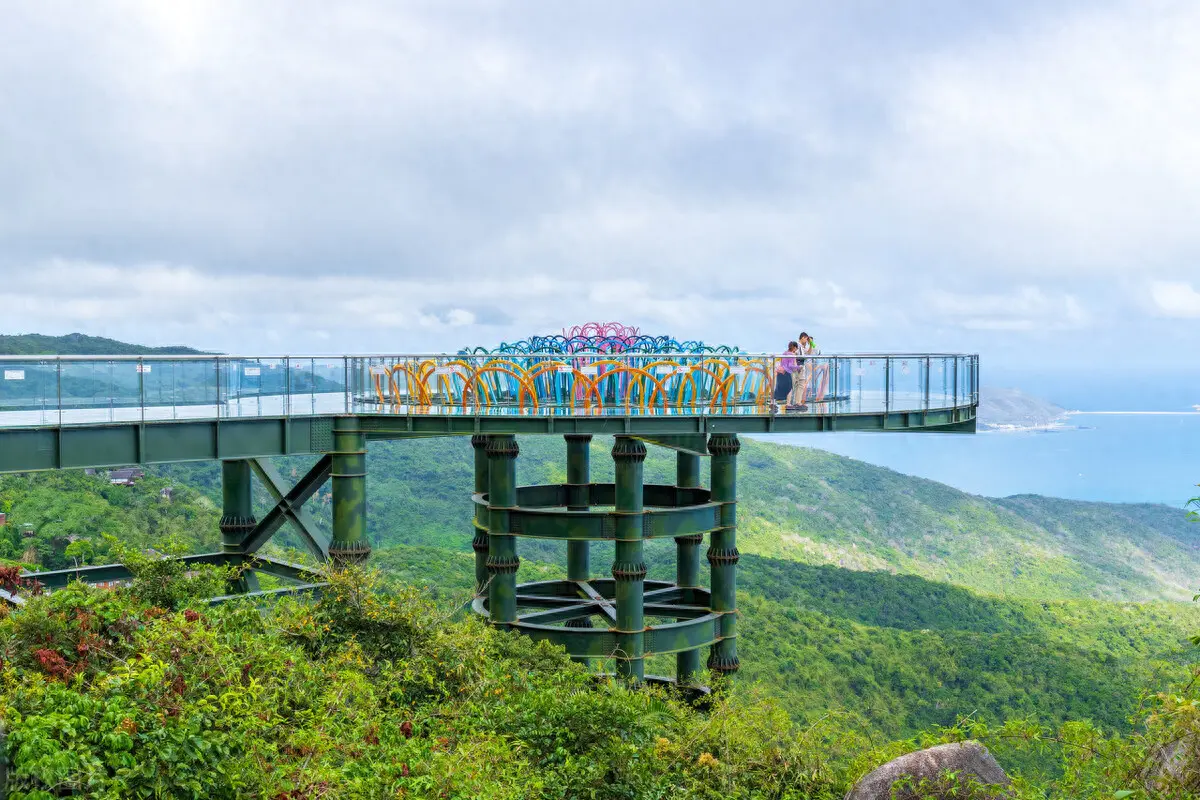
{"x":807,"y":372}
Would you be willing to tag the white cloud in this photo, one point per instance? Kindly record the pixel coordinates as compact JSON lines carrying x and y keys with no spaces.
{"x":184,"y":304}
{"x":1066,"y":151}
{"x":1027,"y":309}
{"x":426,"y":174}
{"x":1175,"y":299}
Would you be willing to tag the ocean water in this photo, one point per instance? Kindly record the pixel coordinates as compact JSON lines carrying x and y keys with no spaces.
{"x":1113,"y":457}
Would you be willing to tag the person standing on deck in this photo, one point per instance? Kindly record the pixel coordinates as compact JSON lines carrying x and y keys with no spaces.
{"x":804,"y":372}
{"x":785,"y":370}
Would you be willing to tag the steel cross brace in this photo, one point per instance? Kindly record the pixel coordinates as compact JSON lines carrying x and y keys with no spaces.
{"x":671,"y":601}
{"x":561,"y":608}
{"x":289,"y":507}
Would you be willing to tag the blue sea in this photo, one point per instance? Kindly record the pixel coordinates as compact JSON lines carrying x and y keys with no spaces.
{"x":1118,"y":458}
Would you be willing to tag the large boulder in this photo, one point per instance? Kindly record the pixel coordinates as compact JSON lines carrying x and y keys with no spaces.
{"x":969,"y":762}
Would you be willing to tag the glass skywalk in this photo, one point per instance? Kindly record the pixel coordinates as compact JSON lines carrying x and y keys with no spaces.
{"x":82,"y":391}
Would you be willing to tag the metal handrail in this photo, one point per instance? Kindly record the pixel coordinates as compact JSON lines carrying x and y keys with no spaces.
{"x":480,"y":356}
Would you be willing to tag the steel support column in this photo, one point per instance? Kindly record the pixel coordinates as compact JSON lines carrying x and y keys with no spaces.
{"x":629,"y":567}
{"x":479,"y":542}
{"x":578,"y":478}
{"x":687,"y":565}
{"x":723,"y":552}
{"x":237,"y":511}
{"x":502,"y":561}
{"x":578,"y":551}
{"x":349,"y":472}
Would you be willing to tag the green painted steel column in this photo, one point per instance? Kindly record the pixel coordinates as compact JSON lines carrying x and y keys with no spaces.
{"x":578,"y":552}
{"x":350,"y":544}
{"x":723,"y":552}
{"x":502,"y":561}
{"x":237,"y":511}
{"x":629,"y":568}
{"x":687,"y":565}
{"x":578,"y":478}
{"x":479,"y":542}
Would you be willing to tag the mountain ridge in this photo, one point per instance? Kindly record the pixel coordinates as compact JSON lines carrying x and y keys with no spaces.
{"x":79,"y":344}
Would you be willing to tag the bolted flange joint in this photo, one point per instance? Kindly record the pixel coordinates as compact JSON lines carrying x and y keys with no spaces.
{"x":502,"y":447}
{"x":628,"y":571}
{"x":480,"y":541}
{"x":353,"y":553}
{"x":503,"y":565}
{"x":691,"y":538}
{"x":723,"y":664}
{"x":479,"y":440}
{"x":628,"y":449}
{"x":726,"y":555}
{"x":577,"y":437}
{"x":579,"y":622}
{"x":724,"y":444}
{"x":234,"y":524}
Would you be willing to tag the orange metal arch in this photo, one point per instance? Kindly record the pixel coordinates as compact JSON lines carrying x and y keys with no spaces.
{"x":690,"y":378}
{"x":589,"y":385}
{"x":730,"y":381}
{"x":520,"y":378}
{"x":618,"y":367}
{"x":422,"y":392}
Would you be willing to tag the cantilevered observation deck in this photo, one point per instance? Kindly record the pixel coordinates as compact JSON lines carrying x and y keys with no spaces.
{"x":96,"y":411}
{"x":101,"y":411}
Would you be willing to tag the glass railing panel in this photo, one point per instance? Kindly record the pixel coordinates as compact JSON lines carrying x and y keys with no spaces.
{"x":330,"y":385}
{"x":255,"y":387}
{"x":125,"y":391}
{"x":29,"y":392}
{"x":195,"y":384}
{"x":99,"y":390}
{"x":906,"y":384}
{"x":302,"y":383}
{"x":940,"y":392}
{"x":866,"y":379}
{"x":962,"y":368}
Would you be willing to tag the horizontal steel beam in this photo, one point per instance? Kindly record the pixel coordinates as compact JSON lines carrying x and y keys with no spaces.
{"x":284,"y":569}
{"x":102,"y":445}
{"x":57,"y":579}
{"x":269,"y":593}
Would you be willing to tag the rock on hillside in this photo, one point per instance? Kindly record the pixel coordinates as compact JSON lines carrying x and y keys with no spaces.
{"x":935,"y":773}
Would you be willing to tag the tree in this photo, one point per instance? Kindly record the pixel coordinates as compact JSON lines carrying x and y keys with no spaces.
{"x":81,"y":551}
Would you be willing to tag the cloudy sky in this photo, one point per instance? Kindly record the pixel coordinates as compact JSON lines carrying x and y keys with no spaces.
{"x":290,"y":176}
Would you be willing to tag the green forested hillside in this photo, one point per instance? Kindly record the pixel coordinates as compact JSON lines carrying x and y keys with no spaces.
{"x":901,"y":654}
{"x":898,"y":652}
{"x":78,"y":344}
{"x":813,"y":507}
{"x":70,"y":514}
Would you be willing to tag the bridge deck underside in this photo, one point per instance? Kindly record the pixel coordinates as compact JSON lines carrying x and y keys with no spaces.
{"x":109,"y":444}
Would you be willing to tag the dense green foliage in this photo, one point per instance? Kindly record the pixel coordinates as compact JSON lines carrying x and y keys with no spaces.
{"x":71,"y":513}
{"x":898,"y":652}
{"x":373,"y":691}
